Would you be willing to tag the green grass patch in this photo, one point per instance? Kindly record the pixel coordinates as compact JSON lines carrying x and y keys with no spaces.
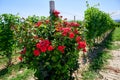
{"x":24,"y":76}
{"x":97,"y":64}
{"x":116,"y":34}
{"x":6,"y":72}
{"x":114,"y":46}
{"x":13,"y":73}
{"x":89,"y":75}
{"x":3,"y":60}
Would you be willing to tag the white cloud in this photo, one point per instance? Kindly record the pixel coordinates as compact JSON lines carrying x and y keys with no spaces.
{"x":115,"y":14}
{"x":70,"y":16}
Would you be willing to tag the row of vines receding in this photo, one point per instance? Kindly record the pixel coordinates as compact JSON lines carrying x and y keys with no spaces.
{"x":97,"y":23}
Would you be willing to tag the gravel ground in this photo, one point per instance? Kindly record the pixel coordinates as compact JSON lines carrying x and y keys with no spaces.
{"x":112,"y":70}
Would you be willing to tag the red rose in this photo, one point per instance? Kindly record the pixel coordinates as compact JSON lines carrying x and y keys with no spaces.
{"x":23,"y":51}
{"x":38,"y":45}
{"x":46,"y":43}
{"x":47,"y":21}
{"x":67,"y":29}
{"x":61,"y":48}
{"x":76,"y":31}
{"x":64,"y":33}
{"x":81,"y":44}
{"x":75,"y":24}
{"x":71,"y":35}
{"x":43,"y":45}
{"x":20,"y":58}
{"x":50,"y":48}
{"x":36,"y":52}
{"x":43,"y":49}
{"x":38,"y":24}
{"x":56,"y":13}
{"x":78,"y":38}
{"x":84,"y":50}
{"x":66,"y":23}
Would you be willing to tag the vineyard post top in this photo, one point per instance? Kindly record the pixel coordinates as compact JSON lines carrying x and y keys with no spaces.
{"x":52,"y":6}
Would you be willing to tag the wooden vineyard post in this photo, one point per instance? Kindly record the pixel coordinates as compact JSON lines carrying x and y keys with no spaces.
{"x":74,"y":18}
{"x":52,"y":6}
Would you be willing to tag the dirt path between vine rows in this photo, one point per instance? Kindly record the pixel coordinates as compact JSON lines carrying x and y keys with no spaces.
{"x":112,"y":70}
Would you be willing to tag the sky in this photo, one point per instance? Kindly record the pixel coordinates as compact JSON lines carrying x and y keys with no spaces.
{"x":67,"y":8}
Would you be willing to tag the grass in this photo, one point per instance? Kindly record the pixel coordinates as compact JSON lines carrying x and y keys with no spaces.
{"x":89,"y":75}
{"x":114,"y":46}
{"x":3,"y":59}
{"x":15,"y":71}
{"x":116,"y":34}
{"x":97,"y":64}
{"x":24,"y":76}
{"x":6,"y":72}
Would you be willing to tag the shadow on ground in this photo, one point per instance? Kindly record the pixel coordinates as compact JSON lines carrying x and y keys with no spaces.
{"x":105,"y":44}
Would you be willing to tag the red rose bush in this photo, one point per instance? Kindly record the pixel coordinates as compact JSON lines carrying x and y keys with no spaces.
{"x":50,"y":46}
